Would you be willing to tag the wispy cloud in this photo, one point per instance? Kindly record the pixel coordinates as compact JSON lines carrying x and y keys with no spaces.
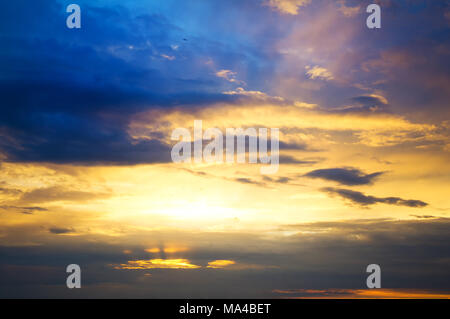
{"x":344,"y":176}
{"x":229,"y":75}
{"x":221,"y":263}
{"x":367,"y":200}
{"x":317,"y":72}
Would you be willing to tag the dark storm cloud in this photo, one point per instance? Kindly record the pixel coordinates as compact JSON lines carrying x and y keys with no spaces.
{"x":68,"y":95}
{"x":117,"y":150}
{"x":367,"y":200}
{"x":64,"y":123}
{"x":344,"y":176}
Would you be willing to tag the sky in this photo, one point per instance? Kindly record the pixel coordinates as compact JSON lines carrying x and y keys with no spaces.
{"x":86,"y":175}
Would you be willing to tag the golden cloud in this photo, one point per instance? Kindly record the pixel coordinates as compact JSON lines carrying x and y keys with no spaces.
{"x":287,"y":6}
{"x":317,"y":72}
{"x":295,"y":120}
{"x":157,"y":263}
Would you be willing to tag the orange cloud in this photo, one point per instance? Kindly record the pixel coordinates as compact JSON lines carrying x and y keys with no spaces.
{"x":169,"y":249}
{"x":152,"y":250}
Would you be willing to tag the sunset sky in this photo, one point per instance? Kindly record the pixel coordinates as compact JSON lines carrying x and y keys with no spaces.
{"x":86,"y":175}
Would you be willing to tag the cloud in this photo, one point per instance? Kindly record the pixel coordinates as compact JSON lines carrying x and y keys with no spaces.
{"x":220,"y":263}
{"x":168,"y":57}
{"x":228,"y":75}
{"x":317,"y":125}
{"x":157,"y":263}
{"x":57,"y":193}
{"x":414,"y":76}
{"x":83,"y":107}
{"x":259,"y":96}
{"x":74,"y":96}
{"x":27,"y":210}
{"x":10,"y":191}
{"x":371,"y":99}
{"x":297,"y":250}
{"x":344,"y":176}
{"x":281,"y":179}
{"x":424,"y":216}
{"x":93,"y":149}
{"x":348,"y":11}
{"x":58,"y":230}
{"x":318,"y":72}
{"x":292,"y":146}
{"x":78,"y":110}
{"x":366,"y":200}
{"x":286,"y":159}
{"x":287,"y":6}
{"x":371,"y":102}
{"x":245,"y":180}
{"x":364,"y":293}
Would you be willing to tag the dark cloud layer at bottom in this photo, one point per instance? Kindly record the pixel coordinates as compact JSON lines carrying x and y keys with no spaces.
{"x":319,"y":255}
